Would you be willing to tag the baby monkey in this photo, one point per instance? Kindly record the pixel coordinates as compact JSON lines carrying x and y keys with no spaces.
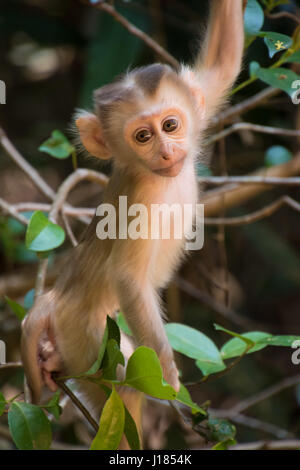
{"x":150,"y":121}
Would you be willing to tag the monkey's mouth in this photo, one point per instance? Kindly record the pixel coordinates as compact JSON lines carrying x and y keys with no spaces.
{"x":172,"y":170}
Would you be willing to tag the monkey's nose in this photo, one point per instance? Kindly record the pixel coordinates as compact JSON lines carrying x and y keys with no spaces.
{"x":166,"y":157}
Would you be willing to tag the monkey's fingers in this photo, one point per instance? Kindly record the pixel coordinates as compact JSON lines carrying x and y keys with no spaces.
{"x":170,"y":371}
{"x":171,"y":376}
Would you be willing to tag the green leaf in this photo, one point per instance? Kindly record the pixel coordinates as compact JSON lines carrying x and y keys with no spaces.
{"x":122,"y":324}
{"x":184,"y":397}
{"x":277,"y":155}
{"x":57,"y":146}
{"x":249,"y":343}
{"x":131,"y":432}
{"x":42,"y":235}
{"x":18,"y":310}
{"x":97,"y":364}
{"x":253,"y":18}
{"x":111,"y":425}
{"x":196,"y":345}
{"x":295,"y":57}
{"x":2,"y":403}
{"x":112,"y":358}
{"x":276,"y":42}
{"x":29,"y":426}
{"x":279,"y":78}
{"x":29,"y":299}
{"x":236,"y":346}
{"x":113,"y":330}
{"x":224,"y":444}
{"x":221,"y":429}
{"x":282,"y":340}
{"x":144,"y":373}
{"x":53,"y":407}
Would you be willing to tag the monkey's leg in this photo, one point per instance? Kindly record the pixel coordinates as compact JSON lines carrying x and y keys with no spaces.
{"x":133,"y":401}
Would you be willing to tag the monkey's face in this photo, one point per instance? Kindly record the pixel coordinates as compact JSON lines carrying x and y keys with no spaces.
{"x":158,"y":139}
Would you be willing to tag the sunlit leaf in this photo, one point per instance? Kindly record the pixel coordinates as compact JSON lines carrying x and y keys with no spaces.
{"x":224,"y":445}
{"x":144,"y":373}
{"x":236,"y":347}
{"x":42,"y":235}
{"x":57,"y":146}
{"x":122,"y":324}
{"x":111,"y":425}
{"x":196,"y":345}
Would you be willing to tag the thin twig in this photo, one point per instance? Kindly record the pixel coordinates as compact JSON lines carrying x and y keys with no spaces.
{"x":69,"y":183}
{"x":265,"y":394}
{"x":137,"y":32}
{"x":41,"y":278}
{"x":77,"y":402}
{"x":31,"y":172}
{"x":284,"y":14}
{"x":286,"y":444}
{"x":254,"y":423}
{"x":240,"y":126}
{"x":253,"y":180}
{"x":244,"y":106}
{"x":266,"y":211}
{"x":9,"y":209}
{"x":226,"y":312}
{"x":69,"y":230}
{"x":38,"y":206}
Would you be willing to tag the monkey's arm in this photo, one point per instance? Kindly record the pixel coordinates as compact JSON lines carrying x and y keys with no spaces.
{"x":140,"y":305}
{"x":219,"y":62}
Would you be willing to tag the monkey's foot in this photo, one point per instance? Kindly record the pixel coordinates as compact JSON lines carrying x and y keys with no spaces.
{"x":170,"y":371}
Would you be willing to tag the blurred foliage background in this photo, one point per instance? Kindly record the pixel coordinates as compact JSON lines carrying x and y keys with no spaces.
{"x":53,"y":55}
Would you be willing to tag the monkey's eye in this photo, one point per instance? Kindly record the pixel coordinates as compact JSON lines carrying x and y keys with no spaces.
{"x":143,"y":135}
{"x":170,"y":125}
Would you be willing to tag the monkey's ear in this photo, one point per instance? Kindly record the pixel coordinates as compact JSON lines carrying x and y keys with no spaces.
{"x":90,"y":133}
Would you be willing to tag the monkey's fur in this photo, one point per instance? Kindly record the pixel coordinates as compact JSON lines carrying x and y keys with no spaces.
{"x":64,"y":329}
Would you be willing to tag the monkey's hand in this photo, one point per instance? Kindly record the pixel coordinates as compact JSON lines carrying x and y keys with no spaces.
{"x":38,"y":350}
{"x":170,"y":371}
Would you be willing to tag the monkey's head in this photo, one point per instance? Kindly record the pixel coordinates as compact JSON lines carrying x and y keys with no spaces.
{"x":149,"y":118}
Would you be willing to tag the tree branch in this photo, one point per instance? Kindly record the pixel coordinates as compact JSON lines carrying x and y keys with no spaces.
{"x":100,"y":5}
{"x":240,"y":126}
{"x":238,"y":109}
{"x":257,"y":215}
